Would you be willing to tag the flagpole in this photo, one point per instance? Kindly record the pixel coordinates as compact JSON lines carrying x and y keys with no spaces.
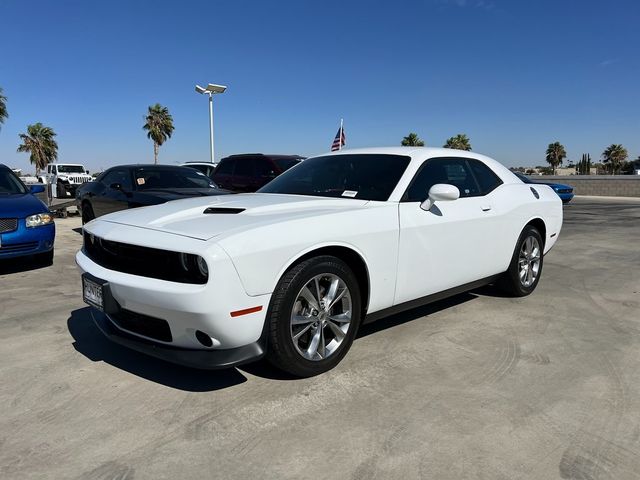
{"x":341,"y":133}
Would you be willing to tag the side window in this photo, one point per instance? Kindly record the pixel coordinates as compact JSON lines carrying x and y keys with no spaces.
{"x":263,"y":168}
{"x":118,"y":176}
{"x":225,"y":168}
{"x":453,"y":171}
{"x":486,"y":178}
{"x":244,"y":168}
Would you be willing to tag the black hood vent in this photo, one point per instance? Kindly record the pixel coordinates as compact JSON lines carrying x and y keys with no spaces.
{"x":215,"y":210}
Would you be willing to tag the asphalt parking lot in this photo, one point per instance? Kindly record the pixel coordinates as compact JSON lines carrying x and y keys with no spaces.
{"x":475,"y":387}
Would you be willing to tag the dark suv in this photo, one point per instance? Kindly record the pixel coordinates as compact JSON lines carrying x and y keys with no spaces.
{"x":248,"y":172}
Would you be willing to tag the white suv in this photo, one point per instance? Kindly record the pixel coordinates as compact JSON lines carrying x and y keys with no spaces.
{"x":65,"y":178}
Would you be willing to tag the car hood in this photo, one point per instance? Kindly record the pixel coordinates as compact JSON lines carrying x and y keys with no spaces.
{"x":20,"y":205}
{"x":228,"y":213}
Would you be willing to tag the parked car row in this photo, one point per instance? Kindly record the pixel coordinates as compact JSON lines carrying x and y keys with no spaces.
{"x":292,"y":270}
{"x":130,"y":186}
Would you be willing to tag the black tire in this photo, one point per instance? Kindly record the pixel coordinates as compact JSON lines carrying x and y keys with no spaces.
{"x":61,"y":191}
{"x":282,"y":352}
{"x":44,"y":259}
{"x":511,"y":281}
{"x":87,"y":213}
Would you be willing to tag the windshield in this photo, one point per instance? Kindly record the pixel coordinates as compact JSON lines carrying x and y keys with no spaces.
{"x":70,"y":169}
{"x":359,"y":176}
{"x":10,"y":184}
{"x":171,"y":178}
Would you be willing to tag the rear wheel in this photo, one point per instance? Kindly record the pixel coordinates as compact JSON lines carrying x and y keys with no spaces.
{"x":314,"y":316}
{"x":526,"y":264}
{"x":87,"y":213}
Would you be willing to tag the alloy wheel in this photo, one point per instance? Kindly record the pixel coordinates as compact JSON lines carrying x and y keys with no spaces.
{"x":321,"y":316}
{"x":529,"y":261}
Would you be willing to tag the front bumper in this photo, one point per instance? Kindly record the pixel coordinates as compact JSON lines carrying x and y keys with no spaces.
{"x":202,"y":359}
{"x":27,"y":241}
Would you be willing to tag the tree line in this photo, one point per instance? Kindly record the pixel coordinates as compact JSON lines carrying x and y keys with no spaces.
{"x":39,"y":140}
{"x":614,"y":157}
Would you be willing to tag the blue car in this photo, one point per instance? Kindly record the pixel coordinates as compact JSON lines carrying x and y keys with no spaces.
{"x":26,"y":225}
{"x":565,"y":192}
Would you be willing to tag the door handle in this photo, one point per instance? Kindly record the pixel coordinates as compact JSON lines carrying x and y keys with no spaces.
{"x":486,"y":208}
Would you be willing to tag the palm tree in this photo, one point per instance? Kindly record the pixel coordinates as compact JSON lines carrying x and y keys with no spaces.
{"x":3,"y":107}
{"x":555,"y":154}
{"x":39,"y":142}
{"x":459,"y":142}
{"x":159,"y":127}
{"x":614,"y":156}
{"x":412,"y":140}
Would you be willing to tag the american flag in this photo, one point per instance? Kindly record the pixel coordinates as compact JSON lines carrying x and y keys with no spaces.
{"x":340,"y":140}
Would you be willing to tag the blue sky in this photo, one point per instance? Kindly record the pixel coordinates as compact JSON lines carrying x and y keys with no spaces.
{"x":513,"y":75}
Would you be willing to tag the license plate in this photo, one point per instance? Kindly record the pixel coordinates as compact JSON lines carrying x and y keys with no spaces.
{"x":92,"y":293}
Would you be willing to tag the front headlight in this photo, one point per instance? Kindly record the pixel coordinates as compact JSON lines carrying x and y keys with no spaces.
{"x":194,"y":265}
{"x":39,"y":219}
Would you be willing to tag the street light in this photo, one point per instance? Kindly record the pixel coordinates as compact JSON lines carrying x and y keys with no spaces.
{"x":211,"y":90}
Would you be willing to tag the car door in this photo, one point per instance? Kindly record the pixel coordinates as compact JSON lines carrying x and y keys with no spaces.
{"x":116,"y":193}
{"x":244,"y":175}
{"x":264,"y":172}
{"x":454,"y":242}
{"x":223,"y":174}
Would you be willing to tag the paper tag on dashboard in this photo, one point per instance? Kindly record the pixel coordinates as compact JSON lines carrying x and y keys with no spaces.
{"x":349,"y":193}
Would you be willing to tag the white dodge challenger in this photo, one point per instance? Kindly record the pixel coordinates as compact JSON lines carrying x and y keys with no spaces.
{"x":293,"y":270}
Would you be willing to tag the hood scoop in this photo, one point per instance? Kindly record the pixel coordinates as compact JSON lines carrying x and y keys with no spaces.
{"x":227,"y":210}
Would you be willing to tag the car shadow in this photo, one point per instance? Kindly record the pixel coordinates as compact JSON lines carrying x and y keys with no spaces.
{"x":21,"y":264}
{"x":77,"y":230}
{"x":413,"y":314}
{"x":90,"y":342}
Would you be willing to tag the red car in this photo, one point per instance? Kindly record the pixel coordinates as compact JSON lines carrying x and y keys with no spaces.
{"x":248,"y":172}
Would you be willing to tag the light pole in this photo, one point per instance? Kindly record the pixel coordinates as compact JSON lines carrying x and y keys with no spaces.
{"x":211,"y":90}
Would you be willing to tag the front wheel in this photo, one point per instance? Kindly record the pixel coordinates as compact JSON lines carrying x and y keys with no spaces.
{"x":87,"y":213}
{"x":61,"y":191}
{"x":525,"y":268}
{"x":314,"y":316}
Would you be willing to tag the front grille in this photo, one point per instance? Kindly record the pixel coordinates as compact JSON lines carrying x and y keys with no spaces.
{"x":144,"y":325}
{"x":18,"y":247}
{"x":78,"y":179}
{"x":8,"y":224}
{"x":141,"y":261}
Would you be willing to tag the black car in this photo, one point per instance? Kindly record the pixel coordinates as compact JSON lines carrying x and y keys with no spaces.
{"x":248,"y":172}
{"x":130,"y":186}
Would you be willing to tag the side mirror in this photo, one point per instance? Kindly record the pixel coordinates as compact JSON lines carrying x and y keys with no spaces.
{"x":440,"y":192}
{"x":36,"y":188}
{"x":87,"y":172}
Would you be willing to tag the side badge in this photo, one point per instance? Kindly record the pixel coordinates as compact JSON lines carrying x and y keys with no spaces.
{"x":535,"y":192}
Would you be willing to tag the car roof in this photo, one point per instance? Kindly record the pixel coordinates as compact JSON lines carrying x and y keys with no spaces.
{"x":148,"y":166}
{"x":266,"y":155}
